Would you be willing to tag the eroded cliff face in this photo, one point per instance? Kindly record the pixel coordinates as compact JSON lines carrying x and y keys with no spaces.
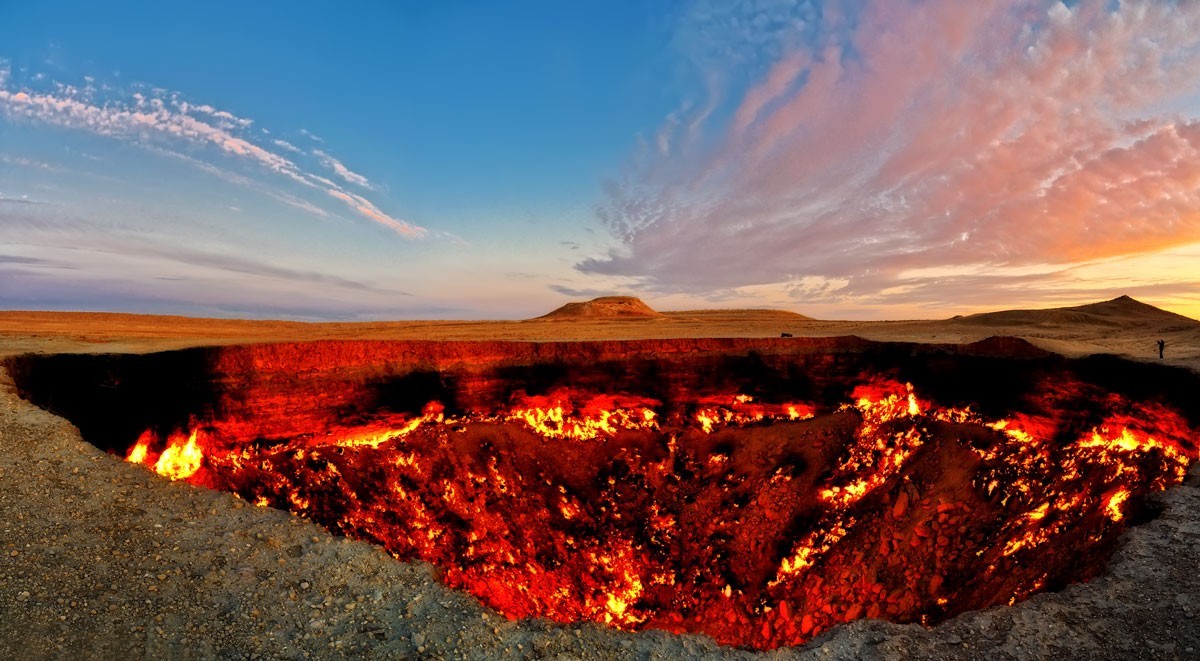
{"x":758,"y":491}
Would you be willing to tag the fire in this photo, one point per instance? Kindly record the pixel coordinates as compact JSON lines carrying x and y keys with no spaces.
{"x":760,"y":523}
{"x":561,"y":415}
{"x":433,"y":413}
{"x":1113,"y":505}
{"x":625,"y":590}
{"x":137,"y":453}
{"x":878,"y":404}
{"x":741,"y":410}
{"x":180,"y":459}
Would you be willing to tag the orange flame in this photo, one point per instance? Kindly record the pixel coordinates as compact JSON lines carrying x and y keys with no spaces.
{"x":179,"y":460}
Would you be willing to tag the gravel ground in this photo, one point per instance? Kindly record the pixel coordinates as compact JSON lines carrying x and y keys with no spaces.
{"x":102,"y":559}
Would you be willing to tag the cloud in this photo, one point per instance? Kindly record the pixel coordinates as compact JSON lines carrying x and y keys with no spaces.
{"x":44,"y":267}
{"x":160,"y":120}
{"x":341,"y":170}
{"x":746,"y":33}
{"x":363,"y":206}
{"x":913,"y":135}
{"x":103,"y":253}
{"x":17,"y":200}
{"x":28,"y":261}
{"x":217,"y":114}
{"x":29,"y":163}
{"x":284,"y":144}
{"x":239,"y":180}
{"x":55,"y":259}
{"x":585,"y":292}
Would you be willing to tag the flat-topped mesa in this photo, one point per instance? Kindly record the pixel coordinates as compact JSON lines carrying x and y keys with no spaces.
{"x":605,"y":307}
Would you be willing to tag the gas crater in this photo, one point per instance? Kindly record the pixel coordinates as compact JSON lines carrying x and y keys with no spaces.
{"x":756,"y":491}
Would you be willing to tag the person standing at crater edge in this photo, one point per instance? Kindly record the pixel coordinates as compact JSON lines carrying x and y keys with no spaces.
{"x":1162,"y":344}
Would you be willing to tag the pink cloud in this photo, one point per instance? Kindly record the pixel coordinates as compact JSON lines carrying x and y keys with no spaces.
{"x":341,"y":170}
{"x":364,"y":207}
{"x":933,"y":134}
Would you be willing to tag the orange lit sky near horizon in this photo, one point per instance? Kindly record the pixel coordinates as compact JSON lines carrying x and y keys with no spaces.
{"x":886,"y":159}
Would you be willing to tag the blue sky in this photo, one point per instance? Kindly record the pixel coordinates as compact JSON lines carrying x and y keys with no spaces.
{"x":493,"y":160}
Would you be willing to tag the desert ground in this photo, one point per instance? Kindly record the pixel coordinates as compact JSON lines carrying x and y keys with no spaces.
{"x":103,"y":559}
{"x":1121,"y":326}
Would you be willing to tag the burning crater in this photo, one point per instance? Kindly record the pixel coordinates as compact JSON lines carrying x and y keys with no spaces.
{"x":757,"y":491}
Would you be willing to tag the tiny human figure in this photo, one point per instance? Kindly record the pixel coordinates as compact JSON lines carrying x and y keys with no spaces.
{"x":1162,"y":344}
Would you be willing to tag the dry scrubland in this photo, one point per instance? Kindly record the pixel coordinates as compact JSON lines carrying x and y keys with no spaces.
{"x":101,"y":558}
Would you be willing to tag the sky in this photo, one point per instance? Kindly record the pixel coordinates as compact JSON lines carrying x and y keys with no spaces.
{"x":482,"y":160}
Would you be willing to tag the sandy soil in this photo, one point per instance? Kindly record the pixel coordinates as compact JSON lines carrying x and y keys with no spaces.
{"x":102,"y":559}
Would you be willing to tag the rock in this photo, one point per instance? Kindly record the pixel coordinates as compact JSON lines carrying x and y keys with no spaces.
{"x":901,"y":505}
{"x":935,"y":584}
{"x":806,"y":624}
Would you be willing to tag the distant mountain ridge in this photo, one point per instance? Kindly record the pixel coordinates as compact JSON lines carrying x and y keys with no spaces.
{"x":1120,"y":311}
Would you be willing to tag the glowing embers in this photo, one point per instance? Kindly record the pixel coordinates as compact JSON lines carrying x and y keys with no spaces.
{"x":567,"y":413}
{"x":761,"y":529}
{"x":876,"y":455}
{"x":1050,"y":488}
{"x":378,"y":434}
{"x":717,"y":411}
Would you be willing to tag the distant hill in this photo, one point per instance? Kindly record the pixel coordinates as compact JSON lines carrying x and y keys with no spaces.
{"x":605,"y":307}
{"x":1121,"y":311}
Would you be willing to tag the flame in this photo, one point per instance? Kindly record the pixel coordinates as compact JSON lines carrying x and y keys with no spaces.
{"x":179,"y":461}
{"x":1113,"y":505}
{"x":138,"y":453}
{"x":758,"y":523}
{"x":562,"y":414}
{"x":740,"y":410}
{"x":433,"y":413}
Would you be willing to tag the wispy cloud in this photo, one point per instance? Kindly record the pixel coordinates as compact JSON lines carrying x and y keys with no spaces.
{"x":123,"y":270}
{"x":16,"y":200}
{"x":27,"y":261}
{"x":364,"y":207}
{"x":222,"y":115}
{"x":341,"y":170}
{"x":582,"y":292}
{"x":905,"y":135}
{"x":284,"y":144}
{"x":162,"y":120}
{"x":29,"y":163}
